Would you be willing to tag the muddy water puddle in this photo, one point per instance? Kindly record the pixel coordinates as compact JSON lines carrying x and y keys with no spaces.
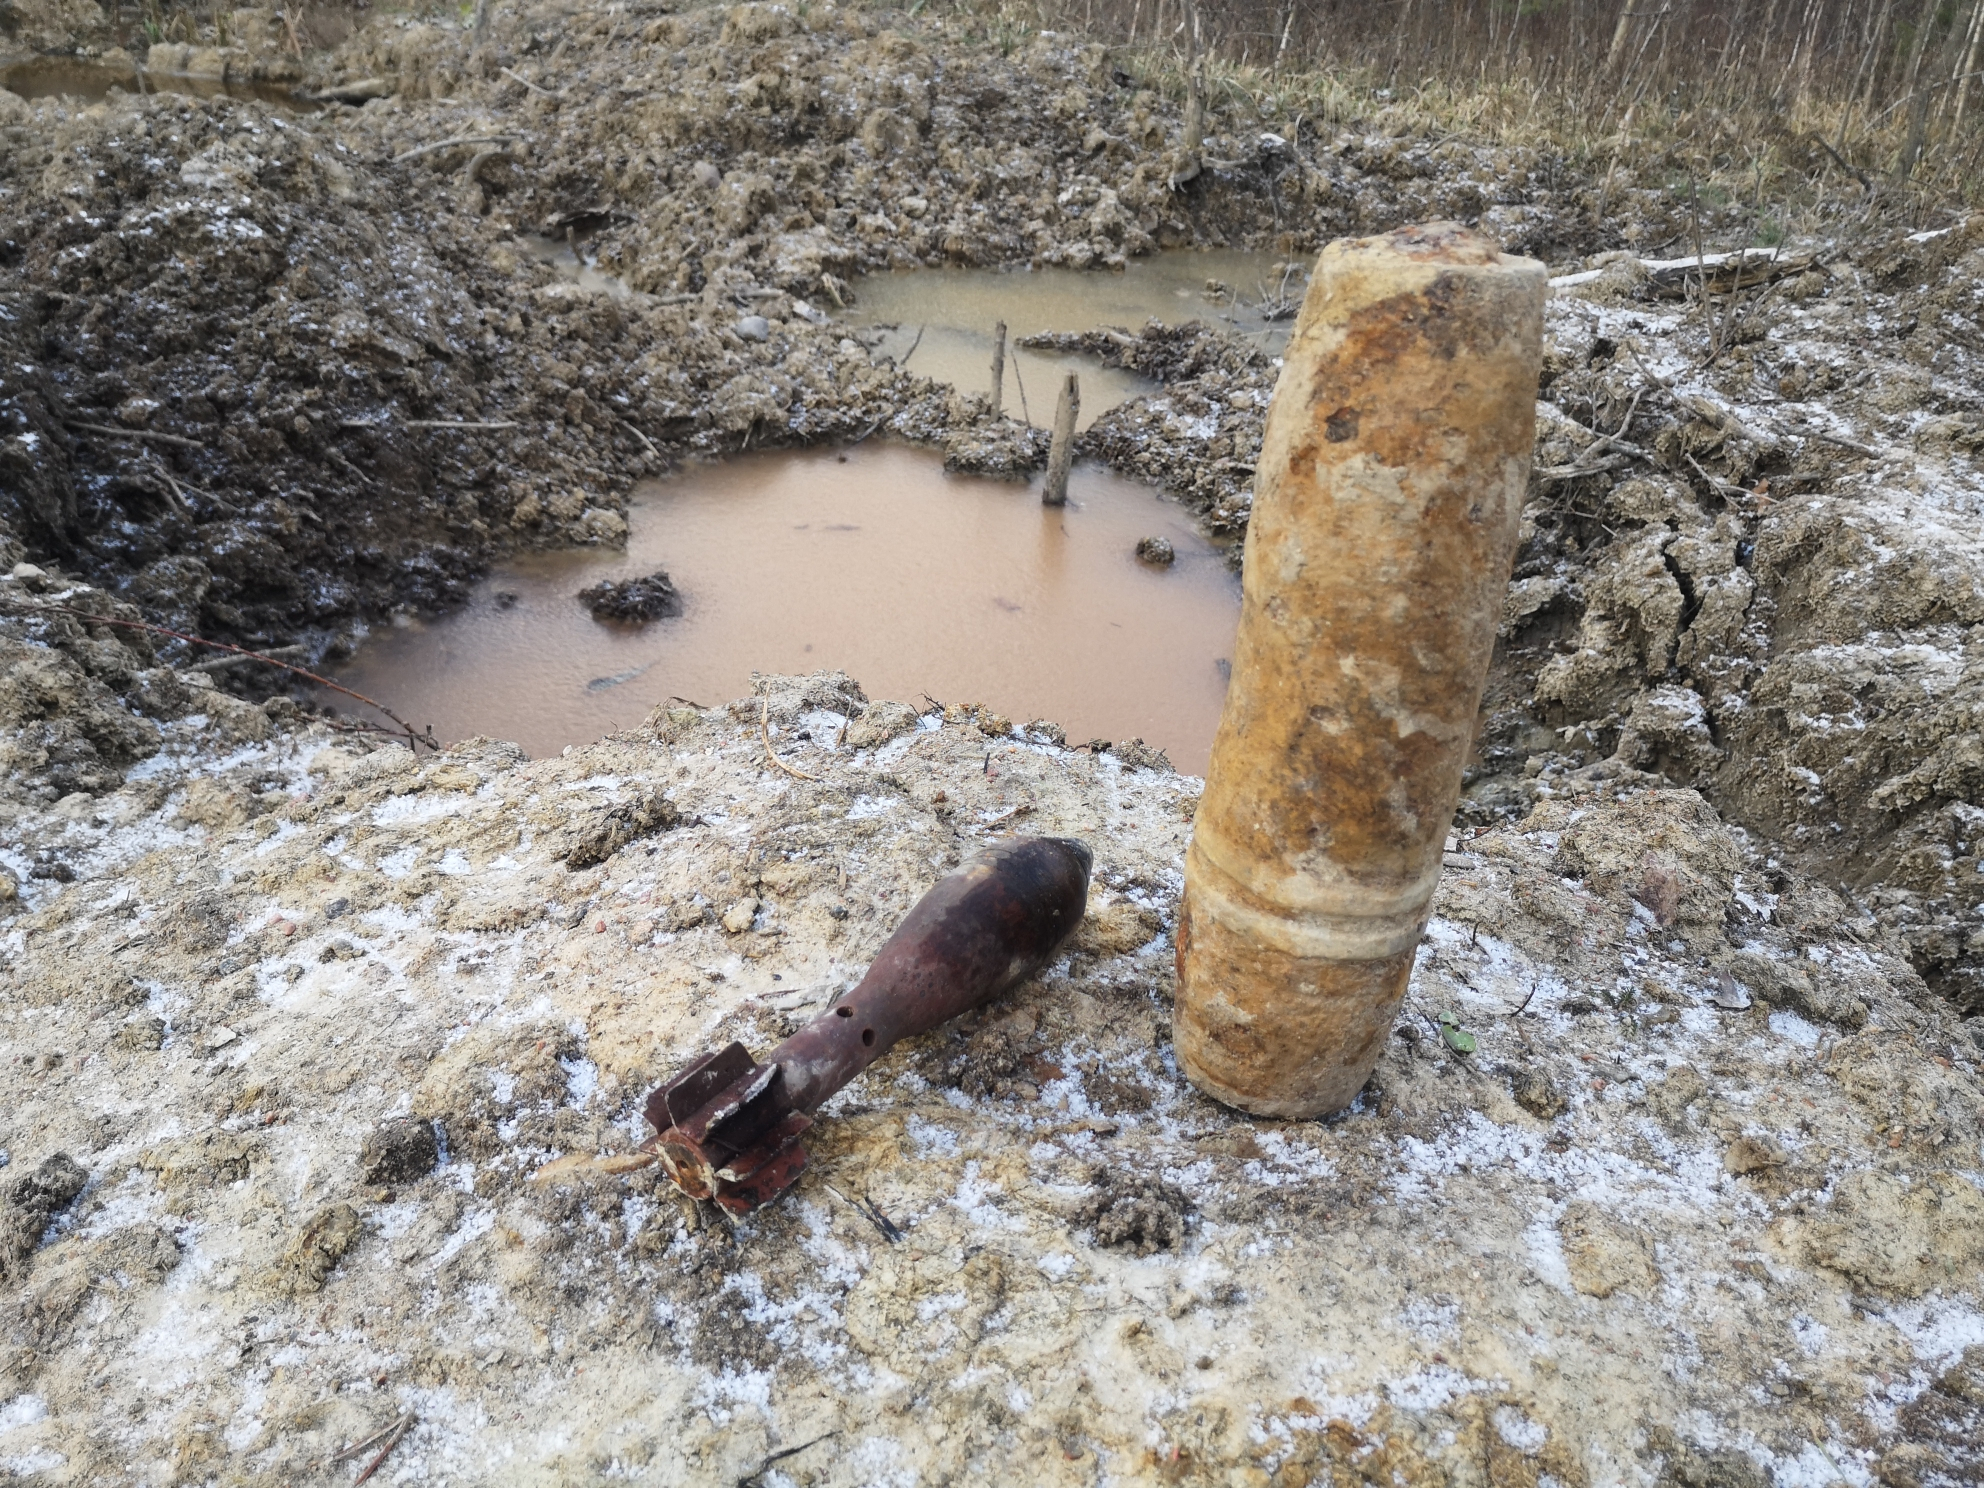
{"x":940,"y":321}
{"x":86,"y":82}
{"x":877,"y":563}
{"x":948,"y":315}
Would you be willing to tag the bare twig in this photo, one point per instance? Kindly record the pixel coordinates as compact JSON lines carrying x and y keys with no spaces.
{"x":1605,"y":452}
{"x":765,"y":733}
{"x":1580,"y":467}
{"x":221,"y":664}
{"x":779,"y":1456}
{"x":449,"y":144}
{"x":181,"y":487}
{"x":1652,"y":376}
{"x":649,"y":443}
{"x":1626,"y":423}
{"x":430,"y":424}
{"x":1844,"y":443}
{"x":1701,"y":268}
{"x":904,"y":361}
{"x":414,"y":739}
{"x":405,"y":1425}
{"x":178,"y":496}
{"x":471,"y":173}
{"x":869,"y":1211}
{"x":1706,"y":409}
{"x":371,"y":1441}
{"x":1727,"y":488}
{"x":145,"y":434}
{"x":547,"y":92}
{"x":1866,"y":181}
{"x":352,"y":469}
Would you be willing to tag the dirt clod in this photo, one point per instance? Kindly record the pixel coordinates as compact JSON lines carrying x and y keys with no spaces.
{"x":1537,"y":1094}
{"x":617,"y":826}
{"x":31,"y":1201}
{"x":399,"y":1151}
{"x":1603,"y":1254}
{"x":635,"y":601}
{"x":1143,"y":1215}
{"x":315,"y":1252}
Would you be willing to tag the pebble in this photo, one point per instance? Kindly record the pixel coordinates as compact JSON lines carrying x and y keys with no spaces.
{"x":754,"y":328}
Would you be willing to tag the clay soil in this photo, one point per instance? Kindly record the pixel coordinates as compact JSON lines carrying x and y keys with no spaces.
{"x":326,"y":1055}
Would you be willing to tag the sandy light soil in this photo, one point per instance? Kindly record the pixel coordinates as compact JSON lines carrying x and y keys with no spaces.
{"x":328,"y":1066}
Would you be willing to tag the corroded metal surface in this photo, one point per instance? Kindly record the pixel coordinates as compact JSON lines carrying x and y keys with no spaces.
{"x":728,"y":1127}
{"x":1391,"y":486}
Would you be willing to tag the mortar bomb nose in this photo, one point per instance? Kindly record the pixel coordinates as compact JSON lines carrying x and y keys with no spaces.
{"x":1077,"y":849}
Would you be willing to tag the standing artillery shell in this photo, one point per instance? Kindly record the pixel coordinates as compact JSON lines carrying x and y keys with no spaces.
{"x":1392,"y":476}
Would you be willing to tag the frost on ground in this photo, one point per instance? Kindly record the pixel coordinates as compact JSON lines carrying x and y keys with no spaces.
{"x":327,"y":1068}
{"x":325,"y":1062}
{"x":277,"y":377}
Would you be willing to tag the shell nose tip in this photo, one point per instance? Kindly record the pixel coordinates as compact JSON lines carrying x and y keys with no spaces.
{"x":1079,"y":850}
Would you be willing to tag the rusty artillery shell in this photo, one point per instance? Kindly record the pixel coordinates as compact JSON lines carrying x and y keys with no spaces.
{"x":1390,"y":489}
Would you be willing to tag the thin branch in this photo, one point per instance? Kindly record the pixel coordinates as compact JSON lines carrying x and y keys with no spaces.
{"x":547,"y":92}
{"x":449,"y":144}
{"x":405,"y":1425}
{"x":1005,"y":816}
{"x":430,"y":424}
{"x":765,"y":733}
{"x":414,"y":739}
{"x":780,"y":1456}
{"x":145,"y":434}
{"x":640,"y":436}
{"x":870,"y":1211}
{"x":178,"y":496}
{"x":371,"y":1441}
{"x":221,"y":664}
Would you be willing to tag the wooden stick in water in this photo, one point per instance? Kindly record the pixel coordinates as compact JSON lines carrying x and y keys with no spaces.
{"x":998,"y":367}
{"x":1061,"y":453}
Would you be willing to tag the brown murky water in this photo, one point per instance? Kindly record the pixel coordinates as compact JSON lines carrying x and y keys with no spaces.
{"x":940,"y":320}
{"x":71,"y":77}
{"x":954,"y":311}
{"x":912,"y":581}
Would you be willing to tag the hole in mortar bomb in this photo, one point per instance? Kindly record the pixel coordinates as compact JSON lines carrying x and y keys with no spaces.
{"x":868,"y":1037}
{"x":843,"y":1012}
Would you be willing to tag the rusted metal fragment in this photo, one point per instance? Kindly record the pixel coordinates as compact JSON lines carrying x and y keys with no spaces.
{"x":1391,"y":484}
{"x":727,"y":1128}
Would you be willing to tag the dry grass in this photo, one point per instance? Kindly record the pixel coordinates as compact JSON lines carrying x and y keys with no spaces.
{"x":1807,"y":114}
